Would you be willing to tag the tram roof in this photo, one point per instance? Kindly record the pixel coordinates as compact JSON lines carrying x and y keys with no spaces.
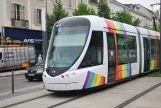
{"x":117,"y":27}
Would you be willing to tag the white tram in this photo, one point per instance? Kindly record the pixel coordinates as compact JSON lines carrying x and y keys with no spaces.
{"x":89,"y":51}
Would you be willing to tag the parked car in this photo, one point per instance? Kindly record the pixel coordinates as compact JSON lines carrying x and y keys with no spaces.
{"x":35,"y":72}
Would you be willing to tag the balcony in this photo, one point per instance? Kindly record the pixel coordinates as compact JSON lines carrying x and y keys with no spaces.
{"x":20,"y":23}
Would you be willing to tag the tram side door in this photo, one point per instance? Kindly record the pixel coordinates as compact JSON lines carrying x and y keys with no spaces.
{"x":146,"y":54}
{"x":111,"y":57}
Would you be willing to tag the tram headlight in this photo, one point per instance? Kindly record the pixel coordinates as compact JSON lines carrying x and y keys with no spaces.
{"x":74,"y":74}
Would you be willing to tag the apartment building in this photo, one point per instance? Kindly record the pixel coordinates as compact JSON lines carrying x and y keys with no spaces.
{"x":27,"y":13}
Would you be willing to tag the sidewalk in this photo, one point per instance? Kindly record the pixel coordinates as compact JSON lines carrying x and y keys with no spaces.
{"x":17,"y":72}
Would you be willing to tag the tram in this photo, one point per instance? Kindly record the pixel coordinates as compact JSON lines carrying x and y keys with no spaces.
{"x":89,"y":51}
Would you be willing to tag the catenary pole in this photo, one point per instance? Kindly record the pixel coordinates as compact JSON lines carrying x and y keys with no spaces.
{"x":44,"y":31}
{"x":160,"y":40}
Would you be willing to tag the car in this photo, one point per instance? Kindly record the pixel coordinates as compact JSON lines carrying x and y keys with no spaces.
{"x":35,"y":72}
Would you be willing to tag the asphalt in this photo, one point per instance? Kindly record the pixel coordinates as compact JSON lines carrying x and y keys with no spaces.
{"x":19,"y":82}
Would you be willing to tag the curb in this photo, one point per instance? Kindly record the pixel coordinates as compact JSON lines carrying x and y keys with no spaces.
{"x":11,"y":75}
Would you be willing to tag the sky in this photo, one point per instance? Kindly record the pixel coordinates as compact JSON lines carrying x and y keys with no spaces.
{"x":145,"y":3}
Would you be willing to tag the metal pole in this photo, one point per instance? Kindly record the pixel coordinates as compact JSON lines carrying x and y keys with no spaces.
{"x":12,"y":81}
{"x":46,"y":40}
{"x":45,"y":34}
{"x":160,"y":40}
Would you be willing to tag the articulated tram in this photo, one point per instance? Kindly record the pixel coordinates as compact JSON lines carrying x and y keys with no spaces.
{"x":89,"y":51}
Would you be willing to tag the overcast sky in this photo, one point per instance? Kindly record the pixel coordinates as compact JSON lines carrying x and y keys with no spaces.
{"x":145,"y":3}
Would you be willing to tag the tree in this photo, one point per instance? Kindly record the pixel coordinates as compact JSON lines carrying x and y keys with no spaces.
{"x":158,"y":28}
{"x":103,"y":10}
{"x":136,"y":22}
{"x":123,"y":16}
{"x":126,"y":17}
{"x":57,"y":14}
{"x":83,"y":9}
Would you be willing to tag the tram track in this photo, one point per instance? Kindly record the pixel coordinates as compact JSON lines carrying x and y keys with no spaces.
{"x":118,"y":106}
{"x":138,"y":96}
{"x":83,"y":95}
{"x":25,"y":101}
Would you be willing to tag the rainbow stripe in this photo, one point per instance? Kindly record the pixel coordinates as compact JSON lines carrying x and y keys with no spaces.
{"x":93,"y":80}
{"x":154,"y":35}
{"x":153,"y":63}
{"x":115,"y":27}
{"x":123,"y":71}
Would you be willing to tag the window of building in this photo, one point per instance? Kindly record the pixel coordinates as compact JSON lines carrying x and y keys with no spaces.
{"x":69,"y":3}
{"x":132,"y":49}
{"x":94,"y":54}
{"x":38,"y":16}
{"x":94,"y":1}
{"x":122,"y":49}
{"x":79,"y":1}
{"x":55,"y":1}
{"x":18,"y":11}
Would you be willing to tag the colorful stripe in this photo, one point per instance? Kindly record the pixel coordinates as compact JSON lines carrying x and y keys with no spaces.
{"x":123,"y":71}
{"x":154,"y":62}
{"x":115,"y":27}
{"x":93,"y":80}
{"x":154,"y":35}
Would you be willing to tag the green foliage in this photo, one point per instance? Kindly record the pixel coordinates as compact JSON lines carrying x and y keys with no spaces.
{"x":148,"y":27}
{"x":158,"y":28}
{"x":103,"y":10}
{"x":123,"y":16}
{"x":154,"y":74}
{"x":83,"y":9}
{"x":57,"y":14}
{"x":136,"y":22}
{"x":126,"y":17}
{"x":151,"y":28}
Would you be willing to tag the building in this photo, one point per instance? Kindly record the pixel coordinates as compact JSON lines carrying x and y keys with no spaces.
{"x":27,"y":13}
{"x":136,"y":11}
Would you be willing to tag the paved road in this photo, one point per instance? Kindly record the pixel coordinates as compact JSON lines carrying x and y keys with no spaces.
{"x":20,"y":82}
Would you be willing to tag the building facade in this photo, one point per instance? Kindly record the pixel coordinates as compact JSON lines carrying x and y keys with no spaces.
{"x":135,"y":10}
{"x":27,"y":13}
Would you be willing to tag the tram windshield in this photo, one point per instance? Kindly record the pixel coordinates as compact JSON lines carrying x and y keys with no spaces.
{"x":67,"y":43}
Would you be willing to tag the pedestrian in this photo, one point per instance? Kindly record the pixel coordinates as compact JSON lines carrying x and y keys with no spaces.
{"x":39,"y":58}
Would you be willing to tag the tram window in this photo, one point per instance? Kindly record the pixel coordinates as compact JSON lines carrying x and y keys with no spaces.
{"x":0,"y":55}
{"x":132,"y":49}
{"x":122,"y":49}
{"x":94,"y":54}
{"x":111,"y":49}
{"x":153,"y":49}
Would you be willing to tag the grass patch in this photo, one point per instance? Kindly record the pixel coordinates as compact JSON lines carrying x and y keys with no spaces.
{"x":154,"y":74}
